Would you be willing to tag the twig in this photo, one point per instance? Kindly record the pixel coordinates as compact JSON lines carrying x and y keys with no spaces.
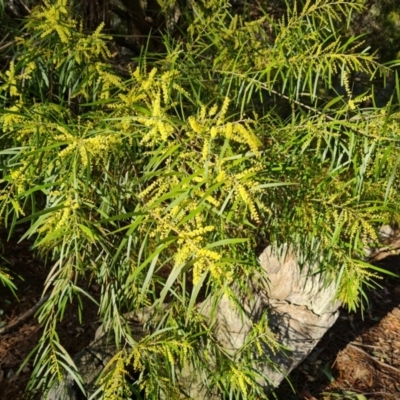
{"x":374,"y":359}
{"x":25,"y":6}
{"x":22,"y":318}
{"x":384,"y":252}
{"x":366,"y":345}
{"x":378,"y":393}
{"x":7,"y":44}
{"x":4,"y":38}
{"x":368,"y":394}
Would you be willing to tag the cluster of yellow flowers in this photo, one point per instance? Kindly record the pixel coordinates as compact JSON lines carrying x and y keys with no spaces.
{"x":354,"y":272}
{"x":155,"y":92}
{"x":141,"y":354}
{"x":54,"y":18}
{"x":192,"y":238}
{"x":114,"y":383}
{"x":61,"y":218}
{"x":55,"y":367}
{"x":263,"y":336}
{"x":90,"y":46}
{"x":96,"y":147}
{"x":18,"y":179}
{"x":240,"y":379}
{"x":244,"y":186}
{"x":11,"y":78}
{"x":193,"y":208}
{"x":352,"y":101}
{"x":208,"y":127}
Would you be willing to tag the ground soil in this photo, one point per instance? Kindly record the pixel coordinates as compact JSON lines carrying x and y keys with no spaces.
{"x":359,"y":358}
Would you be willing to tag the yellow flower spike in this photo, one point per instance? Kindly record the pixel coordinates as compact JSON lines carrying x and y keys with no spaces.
{"x":98,"y":30}
{"x":180,"y":89}
{"x":213,"y":132}
{"x":247,"y":137}
{"x":213,"y":201}
{"x":11,"y":81}
{"x":197,"y":232}
{"x":203,"y":113}
{"x":165,"y":130}
{"x":156,"y":109}
{"x":198,"y":268}
{"x":228,"y":130}
{"x":137,"y":75}
{"x":196,"y":127}
{"x":221,"y":177}
{"x":206,"y":150}
{"x":243,"y":193}
{"x":84,"y":157}
{"x":53,"y":17}
{"x":165,"y":91}
{"x":224,"y":110}
{"x":150,"y":80}
{"x":213,"y":255}
{"x":170,"y":356}
{"x":213,"y":110}
{"x":347,"y":84}
{"x":352,"y":105}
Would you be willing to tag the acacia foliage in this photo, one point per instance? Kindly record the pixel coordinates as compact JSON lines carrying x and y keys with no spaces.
{"x":158,"y":186}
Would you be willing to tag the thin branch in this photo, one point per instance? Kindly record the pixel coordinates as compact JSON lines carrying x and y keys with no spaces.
{"x":5,"y":37}
{"x":374,"y":359}
{"x":7,"y":44}
{"x":380,"y":254}
{"x":22,"y":318}
{"x":25,"y":6}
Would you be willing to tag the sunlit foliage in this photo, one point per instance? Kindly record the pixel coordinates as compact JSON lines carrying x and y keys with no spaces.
{"x":159,"y":185}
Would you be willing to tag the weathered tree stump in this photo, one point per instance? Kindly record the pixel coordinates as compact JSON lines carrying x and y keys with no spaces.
{"x":299,"y":306}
